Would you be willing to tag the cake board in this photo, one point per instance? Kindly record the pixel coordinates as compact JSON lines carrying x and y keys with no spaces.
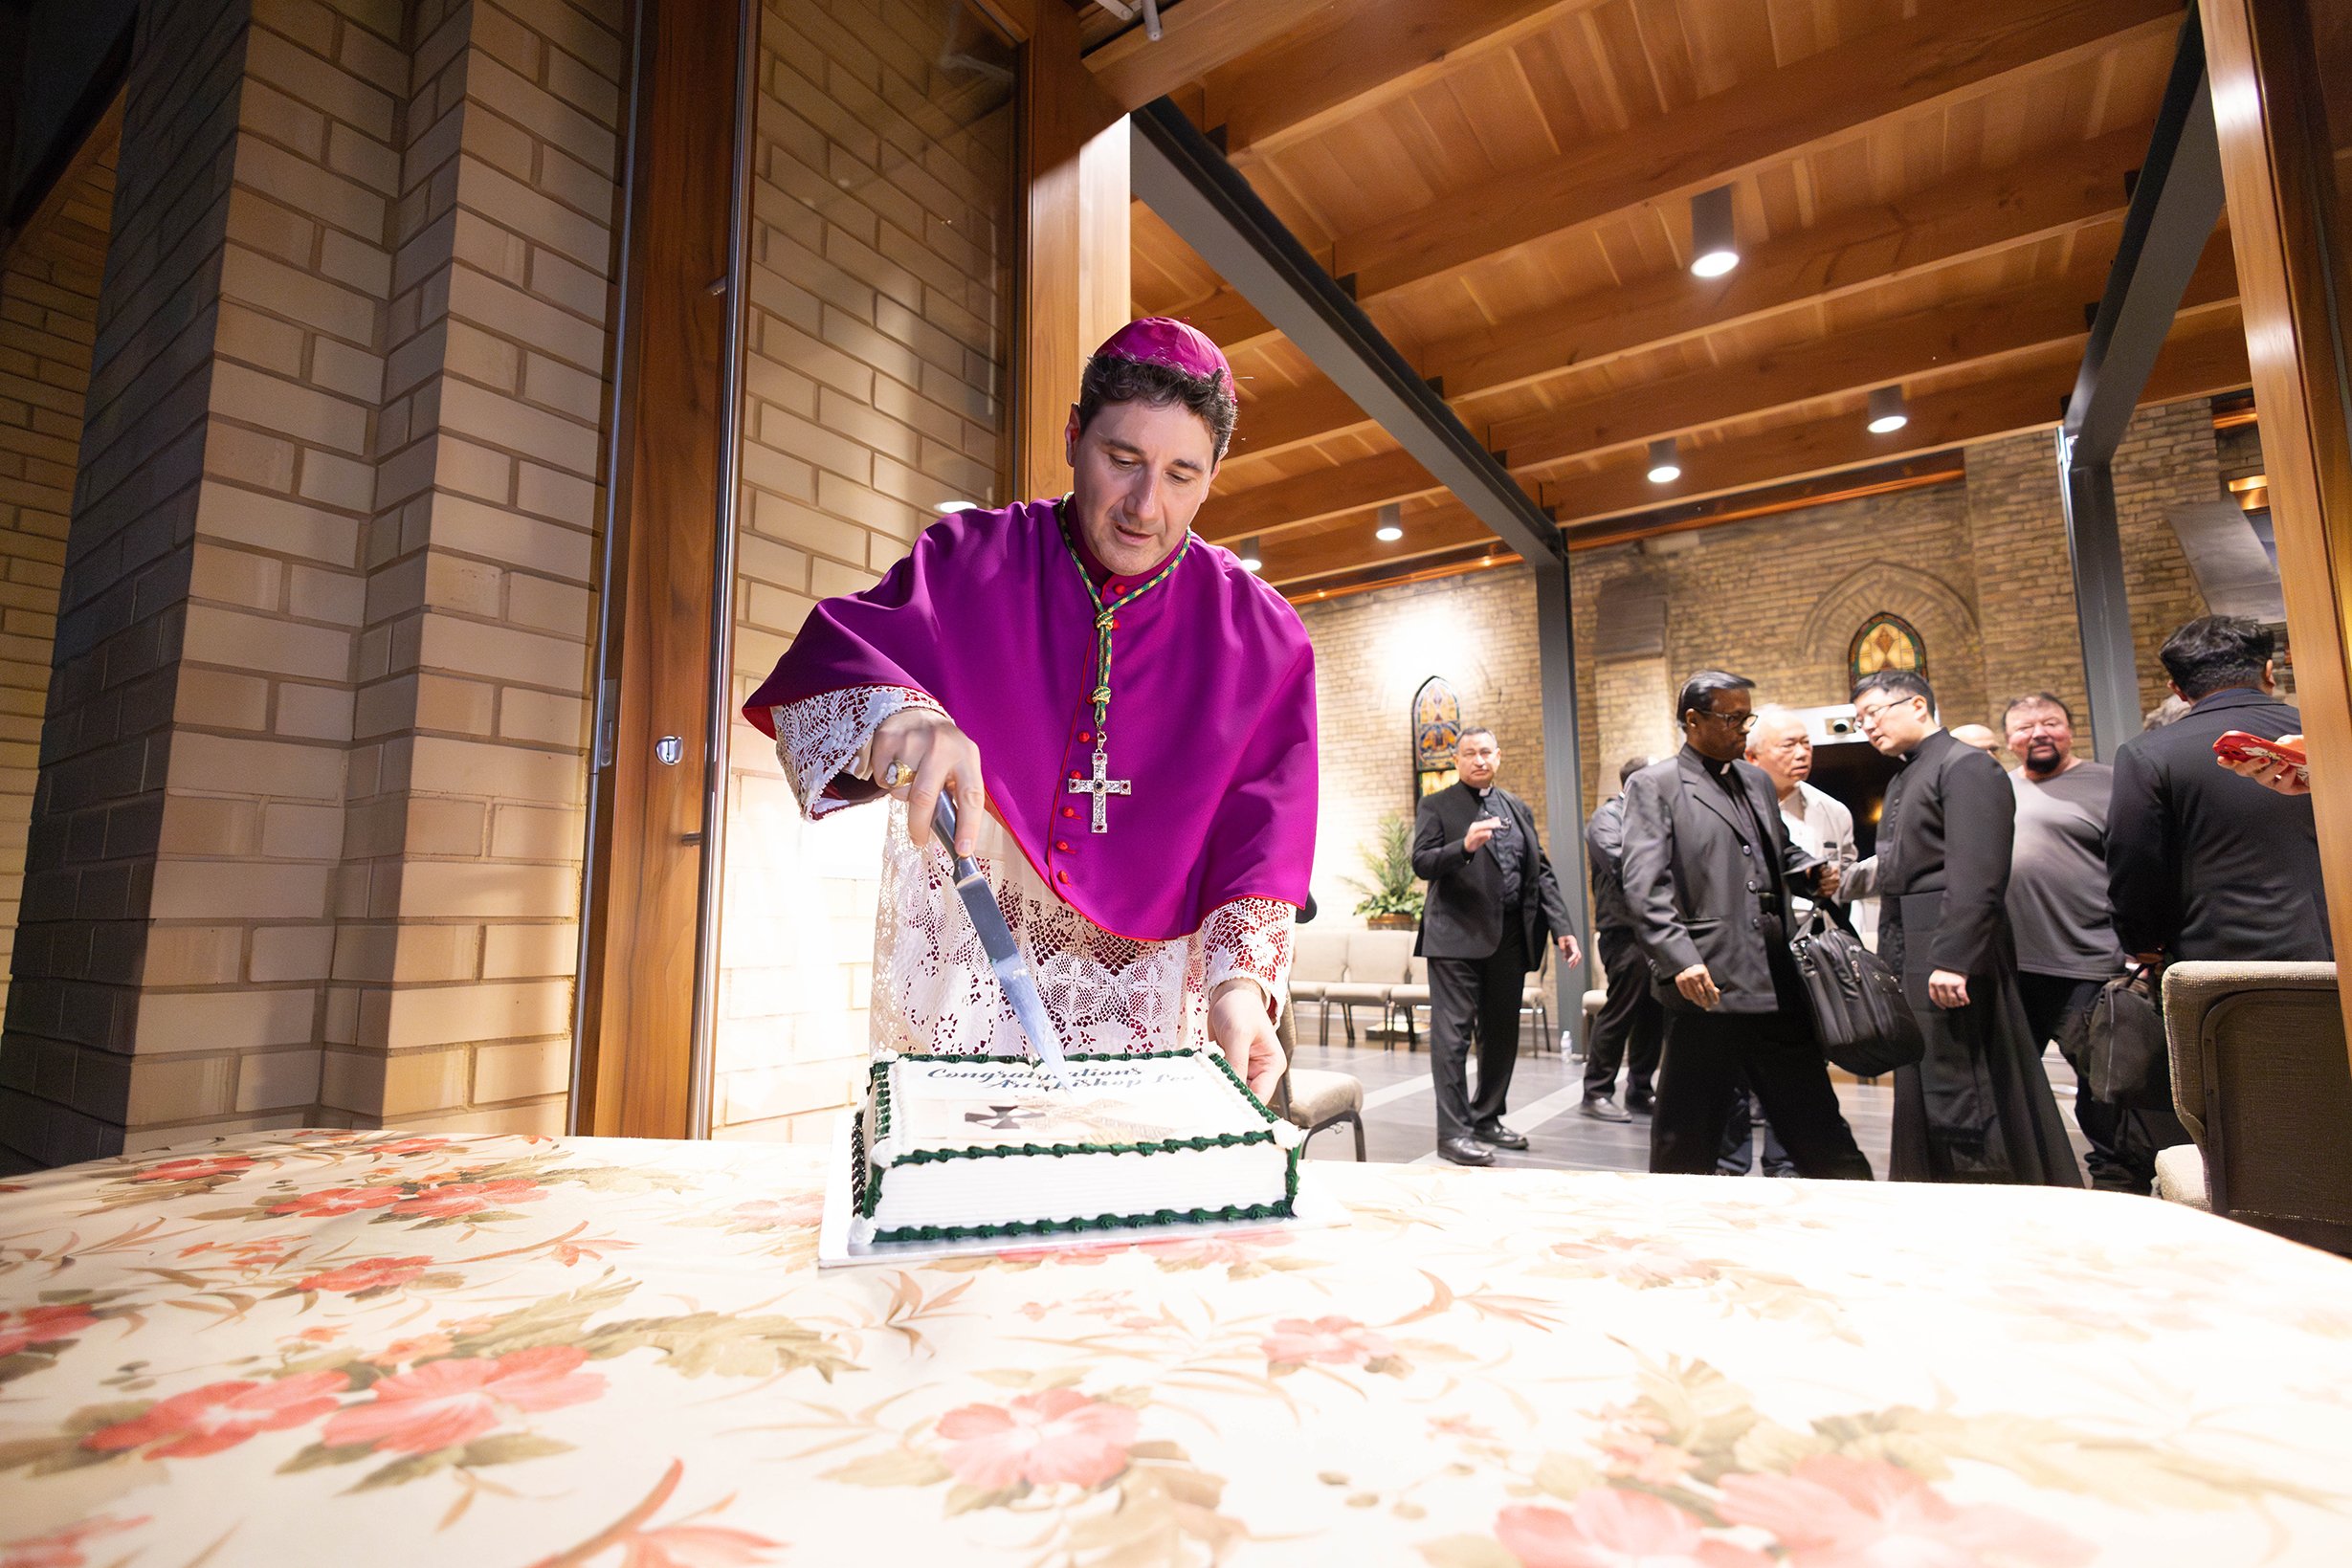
{"x":1312,"y":1210}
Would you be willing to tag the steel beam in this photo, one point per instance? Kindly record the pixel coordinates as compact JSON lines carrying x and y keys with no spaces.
{"x":1182,"y":176}
{"x":1563,"y":777}
{"x":2173,"y":211}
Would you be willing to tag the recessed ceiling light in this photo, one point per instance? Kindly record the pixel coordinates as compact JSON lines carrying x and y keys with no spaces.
{"x":1715,"y":248}
{"x":1665,"y":467}
{"x":1888,"y":412}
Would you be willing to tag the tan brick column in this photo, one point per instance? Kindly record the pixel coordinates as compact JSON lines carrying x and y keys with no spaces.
{"x":308,"y":847}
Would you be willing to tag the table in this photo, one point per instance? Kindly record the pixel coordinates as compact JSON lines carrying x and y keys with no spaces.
{"x":385,"y":1348}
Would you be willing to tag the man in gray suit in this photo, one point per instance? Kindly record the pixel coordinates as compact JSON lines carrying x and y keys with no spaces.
{"x":1708,"y":868}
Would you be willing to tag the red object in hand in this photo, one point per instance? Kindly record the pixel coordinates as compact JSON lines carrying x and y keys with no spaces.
{"x":2238,"y":746}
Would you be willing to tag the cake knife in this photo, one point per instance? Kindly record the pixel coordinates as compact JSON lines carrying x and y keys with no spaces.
{"x":1003,"y":956}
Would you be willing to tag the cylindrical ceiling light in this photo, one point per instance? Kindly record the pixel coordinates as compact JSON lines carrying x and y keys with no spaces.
{"x":1249,"y":557}
{"x":1665,"y":467}
{"x":1888,"y":412}
{"x":1715,"y":248}
{"x":1391,"y":530}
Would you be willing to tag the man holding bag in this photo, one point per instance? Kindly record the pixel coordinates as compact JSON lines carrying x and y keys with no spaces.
{"x":1708,"y":878}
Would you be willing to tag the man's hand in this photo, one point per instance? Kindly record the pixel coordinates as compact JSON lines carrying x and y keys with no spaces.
{"x":1830,"y":877}
{"x":2284,"y":777}
{"x":1697,"y":986}
{"x":1479,"y":832}
{"x":1948,"y":988}
{"x":1242,"y":1029}
{"x":1570,"y":952}
{"x":935,"y":756}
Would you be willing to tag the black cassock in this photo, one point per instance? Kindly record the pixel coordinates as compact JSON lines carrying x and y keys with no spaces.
{"x":1978,"y":1107}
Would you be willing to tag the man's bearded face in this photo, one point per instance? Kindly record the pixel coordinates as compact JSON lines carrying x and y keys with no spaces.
{"x":2041,"y":738}
{"x":1139,"y":475}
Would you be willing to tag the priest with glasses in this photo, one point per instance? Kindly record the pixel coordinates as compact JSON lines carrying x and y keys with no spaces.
{"x":1124,"y":719}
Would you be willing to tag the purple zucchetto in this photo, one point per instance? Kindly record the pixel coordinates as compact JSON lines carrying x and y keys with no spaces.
{"x":1161,"y":340}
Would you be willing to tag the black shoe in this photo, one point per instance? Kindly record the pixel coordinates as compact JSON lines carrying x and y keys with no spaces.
{"x":1499,"y":1135}
{"x":1601,"y":1108}
{"x":1464,"y":1152}
{"x":1641,"y":1105}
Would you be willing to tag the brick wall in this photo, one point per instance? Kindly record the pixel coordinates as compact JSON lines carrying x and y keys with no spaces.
{"x":1978,"y":567}
{"x":882,"y":220}
{"x":49,"y":287}
{"x":309,"y":834}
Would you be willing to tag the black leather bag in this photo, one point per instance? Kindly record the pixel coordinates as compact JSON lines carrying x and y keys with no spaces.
{"x":2125,"y":1060}
{"x":1859,"y":1013}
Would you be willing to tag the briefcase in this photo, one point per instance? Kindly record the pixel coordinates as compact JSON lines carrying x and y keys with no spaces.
{"x":2125,"y":1060}
{"x":1859,"y":1013}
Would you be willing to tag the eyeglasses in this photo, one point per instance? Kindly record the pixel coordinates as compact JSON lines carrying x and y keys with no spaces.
{"x":1742,"y":722}
{"x":1863,"y":716}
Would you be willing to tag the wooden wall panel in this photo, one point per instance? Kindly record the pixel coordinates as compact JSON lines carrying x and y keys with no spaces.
{"x":637,"y":985}
{"x":2292,"y":255}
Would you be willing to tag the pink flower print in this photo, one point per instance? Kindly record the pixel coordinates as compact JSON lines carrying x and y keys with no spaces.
{"x":410,"y":1145}
{"x":456,"y":1198}
{"x":195,"y":1168}
{"x":1059,"y":1435}
{"x":1607,"y":1527}
{"x":443,"y":1404}
{"x":400,"y":1352}
{"x":30,"y":1326}
{"x":696,"y":1546}
{"x":329,"y":1202}
{"x":1836,"y":1512}
{"x":1641,"y":1457}
{"x":221,"y":1415}
{"x":366,"y":1275}
{"x":778,"y":1213}
{"x":1338,"y":1339}
{"x":1209,"y":1251}
{"x":61,"y":1548}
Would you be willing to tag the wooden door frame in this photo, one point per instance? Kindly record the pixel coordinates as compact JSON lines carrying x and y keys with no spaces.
{"x":2287,"y":226}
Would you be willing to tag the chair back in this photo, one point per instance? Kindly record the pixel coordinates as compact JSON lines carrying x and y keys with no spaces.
{"x":1418,"y":972}
{"x":1318,"y":955}
{"x":1381,"y":957}
{"x":2260,"y":1077}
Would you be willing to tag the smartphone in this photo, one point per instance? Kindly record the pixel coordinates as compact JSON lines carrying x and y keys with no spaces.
{"x":2238,"y":746}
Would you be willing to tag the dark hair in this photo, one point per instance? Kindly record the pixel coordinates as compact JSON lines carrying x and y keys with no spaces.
{"x":1630,"y":767}
{"x":1469,"y":730}
{"x":2213,"y":653}
{"x":2037,"y":699}
{"x":1110,"y":379}
{"x":1897,"y":684}
{"x":1699,"y":691}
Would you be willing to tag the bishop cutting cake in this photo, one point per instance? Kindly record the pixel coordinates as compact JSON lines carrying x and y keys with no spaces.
{"x":948,"y":1148}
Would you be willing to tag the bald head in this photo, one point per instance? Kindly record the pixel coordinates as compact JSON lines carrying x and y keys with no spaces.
{"x":1783,"y":747}
{"x":1979,"y":735}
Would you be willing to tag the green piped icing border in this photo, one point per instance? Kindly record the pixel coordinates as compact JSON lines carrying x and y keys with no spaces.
{"x":867,"y":1195}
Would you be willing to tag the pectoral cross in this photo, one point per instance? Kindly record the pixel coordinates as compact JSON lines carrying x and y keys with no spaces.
{"x":1102,"y":788}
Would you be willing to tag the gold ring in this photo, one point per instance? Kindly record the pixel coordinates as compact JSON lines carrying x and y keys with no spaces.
{"x":897,"y":774}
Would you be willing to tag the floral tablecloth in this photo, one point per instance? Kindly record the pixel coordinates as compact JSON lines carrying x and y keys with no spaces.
{"x":379,"y":1348}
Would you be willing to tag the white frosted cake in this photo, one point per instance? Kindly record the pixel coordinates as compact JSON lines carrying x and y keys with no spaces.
{"x":948,"y":1148}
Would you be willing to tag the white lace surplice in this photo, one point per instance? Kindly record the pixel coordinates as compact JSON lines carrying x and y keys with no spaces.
{"x":933,"y":989}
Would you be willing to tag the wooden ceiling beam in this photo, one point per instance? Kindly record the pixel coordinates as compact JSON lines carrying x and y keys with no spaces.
{"x":1347,"y":544}
{"x":1196,"y":36}
{"x":1269,"y":511}
{"x":1378,"y":52}
{"x":2207,"y":355}
{"x":1315,"y":410}
{"x":2051,"y":194}
{"x":2042,"y":318}
{"x":1944,"y":54}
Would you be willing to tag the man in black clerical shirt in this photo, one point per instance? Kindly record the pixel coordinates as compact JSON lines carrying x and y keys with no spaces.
{"x":1707,"y":878}
{"x":1631,"y":1024}
{"x":1492,"y":902}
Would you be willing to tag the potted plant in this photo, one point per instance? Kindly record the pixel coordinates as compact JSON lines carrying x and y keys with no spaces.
{"x":1391,"y":899}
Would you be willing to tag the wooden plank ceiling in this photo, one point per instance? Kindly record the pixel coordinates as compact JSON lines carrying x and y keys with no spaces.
{"x":1927,"y":193}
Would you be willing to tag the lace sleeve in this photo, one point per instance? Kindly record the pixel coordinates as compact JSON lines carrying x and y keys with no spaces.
{"x":1250,"y":938}
{"x":817,"y":737}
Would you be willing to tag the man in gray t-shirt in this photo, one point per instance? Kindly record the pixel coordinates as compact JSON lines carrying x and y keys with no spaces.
{"x":2065,"y":930}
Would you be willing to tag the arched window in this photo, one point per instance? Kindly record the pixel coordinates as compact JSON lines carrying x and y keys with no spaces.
{"x":1437,"y":728}
{"x":1885,"y":642}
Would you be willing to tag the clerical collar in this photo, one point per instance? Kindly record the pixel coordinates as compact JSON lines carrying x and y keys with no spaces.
{"x":1106,"y":584}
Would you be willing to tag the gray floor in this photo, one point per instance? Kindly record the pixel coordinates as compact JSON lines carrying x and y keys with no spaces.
{"x":1400,"y":1121}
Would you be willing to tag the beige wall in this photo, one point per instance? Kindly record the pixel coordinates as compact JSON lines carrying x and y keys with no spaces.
{"x":1979,"y":568}
{"x":882,"y":204}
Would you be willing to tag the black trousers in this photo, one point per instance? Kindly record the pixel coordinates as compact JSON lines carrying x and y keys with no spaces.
{"x":1706,"y":1052}
{"x":2124,"y":1142}
{"x":1475,"y":998}
{"x":1739,"y":1154}
{"x":1631,"y":1023}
